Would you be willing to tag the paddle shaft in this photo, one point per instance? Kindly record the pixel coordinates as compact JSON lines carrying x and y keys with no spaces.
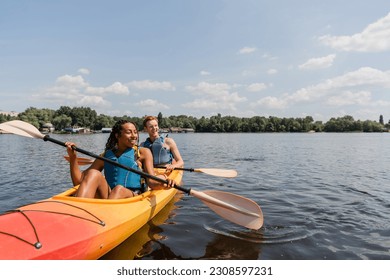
{"x":179,"y":168}
{"x":143,"y":174}
{"x":234,"y":208}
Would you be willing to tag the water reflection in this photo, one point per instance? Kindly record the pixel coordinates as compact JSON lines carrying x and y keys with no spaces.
{"x":324,"y":196}
{"x":139,"y":244}
{"x":148,"y":242}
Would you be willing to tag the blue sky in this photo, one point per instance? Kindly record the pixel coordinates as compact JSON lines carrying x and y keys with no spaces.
{"x":243,"y":58}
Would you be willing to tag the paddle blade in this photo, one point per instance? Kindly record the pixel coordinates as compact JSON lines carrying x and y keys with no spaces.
{"x":228,"y":173}
{"x":81,"y":160}
{"x":21,"y":128}
{"x":232,"y":207}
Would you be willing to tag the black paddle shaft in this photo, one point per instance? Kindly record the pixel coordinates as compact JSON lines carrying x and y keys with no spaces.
{"x":143,"y":174}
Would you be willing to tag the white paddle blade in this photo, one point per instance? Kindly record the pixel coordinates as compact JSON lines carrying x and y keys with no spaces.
{"x":232,"y":207}
{"x":81,"y":160}
{"x":21,"y":128}
{"x":227,"y":173}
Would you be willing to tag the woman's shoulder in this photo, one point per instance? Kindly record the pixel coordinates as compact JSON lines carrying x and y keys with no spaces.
{"x":143,"y":150}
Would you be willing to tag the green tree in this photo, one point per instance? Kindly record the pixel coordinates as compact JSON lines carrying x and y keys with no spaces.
{"x":103,"y":121}
{"x":381,"y":120}
{"x":36,"y":117}
{"x":61,"y":121}
{"x":83,"y":116}
{"x":6,"y":118}
{"x":160,"y":117}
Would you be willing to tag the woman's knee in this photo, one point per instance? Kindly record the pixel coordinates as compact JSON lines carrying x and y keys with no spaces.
{"x":120,"y":192}
{"x":91,"y":174}
{"x":93,"y":184}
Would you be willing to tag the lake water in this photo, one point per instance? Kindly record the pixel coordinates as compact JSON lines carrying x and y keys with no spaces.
{"x":323,"y":195}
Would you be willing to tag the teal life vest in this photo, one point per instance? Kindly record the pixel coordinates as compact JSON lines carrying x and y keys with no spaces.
{"x":161,"y":155}
{"x":119,"y":176}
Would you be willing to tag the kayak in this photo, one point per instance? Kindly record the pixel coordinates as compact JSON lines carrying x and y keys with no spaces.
{"x":67,"y":227}
{"x":140,"y":243}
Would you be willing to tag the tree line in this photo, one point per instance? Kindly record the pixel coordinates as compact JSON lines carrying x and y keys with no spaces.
{"x":86,"y":117}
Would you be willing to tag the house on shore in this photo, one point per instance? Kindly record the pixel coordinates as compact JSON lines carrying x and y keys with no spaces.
{"x":47,"y":128}
{"x":12,"y":113}
{"x":76,"y":129}
{"x":180,"y":130}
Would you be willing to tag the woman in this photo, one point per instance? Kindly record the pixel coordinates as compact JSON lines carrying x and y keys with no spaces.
{"x":164,"y":149}
{"x":121,"y":147}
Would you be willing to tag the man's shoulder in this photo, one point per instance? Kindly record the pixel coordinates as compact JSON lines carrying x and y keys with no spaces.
{"x":169,"y":140}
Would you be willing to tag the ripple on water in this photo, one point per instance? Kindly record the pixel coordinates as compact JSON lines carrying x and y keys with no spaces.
{"x":250,"y":159}
{"x":270,"y":234}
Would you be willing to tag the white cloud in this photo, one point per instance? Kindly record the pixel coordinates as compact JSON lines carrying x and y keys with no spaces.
{"x":269,"y":56}
{"x":214,"y":96}
{"x":66,"y":88}
{"x":351,"y":86}
{"x":319,"y":62}
{"x":93,"y":101}
{"x":117,"y":88}
{"x":271,"y":103}
{"x":74,"y":90}
{"x":204,"y":73}
{"x":247,"y":50}
{"x":84,"y":71}
{"x":210,"y":89}
{"x":350,"y":98}
{"x":71,"y":81}
{"x":151,"y":85}
{"x":151,"y":104}
{"x":374,"y":38}
{"x":224,"y":103}
{"x":256,"y":87}
{"x":364,"y":76}
{"x":202,"y":104}
{"x":272,"y":71}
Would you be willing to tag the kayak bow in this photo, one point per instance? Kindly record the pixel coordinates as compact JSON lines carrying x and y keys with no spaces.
{"x":68,"y":227}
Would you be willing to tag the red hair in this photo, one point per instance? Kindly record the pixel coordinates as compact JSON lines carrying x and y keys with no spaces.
{"x":149,"y":118}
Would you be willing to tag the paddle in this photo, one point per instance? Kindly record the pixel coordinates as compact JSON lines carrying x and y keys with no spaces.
{"x":232,"y":207}
{"x":228,"y":173}
{"x":81,"y":160}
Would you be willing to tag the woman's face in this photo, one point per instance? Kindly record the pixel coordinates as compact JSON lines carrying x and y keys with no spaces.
{"x":152,"y":128}
{"x":128,"y":136}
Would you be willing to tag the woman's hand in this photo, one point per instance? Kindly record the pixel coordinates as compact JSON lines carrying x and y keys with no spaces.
{"x":169,"y":168}
{"x":71,"y":152}
{"x":171,"y":183}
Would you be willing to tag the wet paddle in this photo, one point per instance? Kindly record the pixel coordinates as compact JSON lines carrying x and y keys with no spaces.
{"x":232,"y":207}
{"x":81,"y":160}
{"x":228,"y":173}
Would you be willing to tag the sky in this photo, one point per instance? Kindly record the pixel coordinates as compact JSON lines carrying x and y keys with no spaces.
{"x":198,"y":57}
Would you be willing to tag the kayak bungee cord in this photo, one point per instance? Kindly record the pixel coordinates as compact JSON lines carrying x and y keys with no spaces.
{"x":99,"y":221}
{"x":38,"y":244}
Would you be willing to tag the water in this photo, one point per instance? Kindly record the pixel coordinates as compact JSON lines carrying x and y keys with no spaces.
{"x":323,"y":196}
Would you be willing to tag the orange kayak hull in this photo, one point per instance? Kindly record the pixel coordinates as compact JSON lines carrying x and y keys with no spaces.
{"x":67,"y":227}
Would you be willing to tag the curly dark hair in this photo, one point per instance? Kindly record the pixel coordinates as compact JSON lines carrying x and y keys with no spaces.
{"x":116,"y":131}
